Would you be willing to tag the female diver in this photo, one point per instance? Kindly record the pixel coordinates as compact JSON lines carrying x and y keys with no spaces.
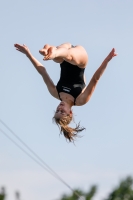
{"x":71,"y":88}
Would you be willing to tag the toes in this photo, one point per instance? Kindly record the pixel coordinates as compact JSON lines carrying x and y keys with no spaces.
{"x":43,"y":52}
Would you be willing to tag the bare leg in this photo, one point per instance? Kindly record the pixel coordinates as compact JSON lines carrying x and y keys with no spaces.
{"x":44,"y":50}
{"x":65,"y":45}
{"x":49,"y":48}
{"x":76,"y":56}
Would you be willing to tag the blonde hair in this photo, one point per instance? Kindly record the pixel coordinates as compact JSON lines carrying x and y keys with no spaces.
{"x":68,"y":132}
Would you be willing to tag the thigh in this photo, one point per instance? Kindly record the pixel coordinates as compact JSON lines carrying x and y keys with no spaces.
{"x":77,"y":56}
{"x":65,"y":45}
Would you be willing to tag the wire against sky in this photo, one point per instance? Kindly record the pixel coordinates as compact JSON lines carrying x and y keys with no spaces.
{"x":38,"y":160}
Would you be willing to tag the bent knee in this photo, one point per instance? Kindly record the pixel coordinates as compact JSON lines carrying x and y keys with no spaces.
{"x":81,"y":48}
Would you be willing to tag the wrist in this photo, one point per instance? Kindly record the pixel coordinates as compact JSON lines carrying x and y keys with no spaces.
{"x":28,"y":54}
{"x":107,"y":60}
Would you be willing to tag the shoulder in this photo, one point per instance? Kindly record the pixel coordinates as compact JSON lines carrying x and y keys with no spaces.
{"x":81,"y":100}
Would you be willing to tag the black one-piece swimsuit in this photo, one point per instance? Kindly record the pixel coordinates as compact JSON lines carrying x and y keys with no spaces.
{"x":71,"y":80}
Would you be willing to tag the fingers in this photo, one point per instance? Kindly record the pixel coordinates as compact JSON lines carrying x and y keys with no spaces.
{"x":17,"y":45}
{"x":25,"y":46}
{"x":22,"y":48}
{"x":113,"y":53}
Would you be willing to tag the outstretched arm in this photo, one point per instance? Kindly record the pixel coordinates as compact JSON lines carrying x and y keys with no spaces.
{"x":25,"y":50}
{"x":39,"y":67}
{"x":85,"y":97}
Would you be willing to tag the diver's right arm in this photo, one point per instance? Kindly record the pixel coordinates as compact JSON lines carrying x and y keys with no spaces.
{"x":40,"y":68}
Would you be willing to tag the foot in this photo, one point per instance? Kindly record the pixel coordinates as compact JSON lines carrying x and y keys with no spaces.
{"x":50,"y":54}
{"x":44,"y":50}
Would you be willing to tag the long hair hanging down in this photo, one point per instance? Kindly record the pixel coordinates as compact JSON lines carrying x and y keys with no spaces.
{"x":69,"y":133}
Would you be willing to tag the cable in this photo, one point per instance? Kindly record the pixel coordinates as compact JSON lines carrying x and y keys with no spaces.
{"x":54,"y":174}
{"x":43,"y":164}
{"x":20,"y":140}
{"x":23,"y":149}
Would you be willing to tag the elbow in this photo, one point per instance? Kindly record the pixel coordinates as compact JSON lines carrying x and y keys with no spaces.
{"x":95,"y":79}
{"x":42,"y":71}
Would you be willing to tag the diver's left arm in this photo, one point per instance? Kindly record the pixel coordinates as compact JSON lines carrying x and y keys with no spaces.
{"x":86,"y":95}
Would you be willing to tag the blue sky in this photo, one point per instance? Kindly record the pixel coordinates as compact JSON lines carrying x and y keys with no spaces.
{"x":104,"y":154}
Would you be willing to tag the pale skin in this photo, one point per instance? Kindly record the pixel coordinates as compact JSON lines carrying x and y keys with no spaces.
{"x":76,"y":56}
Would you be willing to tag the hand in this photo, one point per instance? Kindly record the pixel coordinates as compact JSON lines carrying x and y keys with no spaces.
{"x":22,"y":48}
{"x":111,"y":55}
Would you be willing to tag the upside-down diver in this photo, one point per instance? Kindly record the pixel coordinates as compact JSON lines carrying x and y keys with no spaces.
{"x":71,"y":88}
